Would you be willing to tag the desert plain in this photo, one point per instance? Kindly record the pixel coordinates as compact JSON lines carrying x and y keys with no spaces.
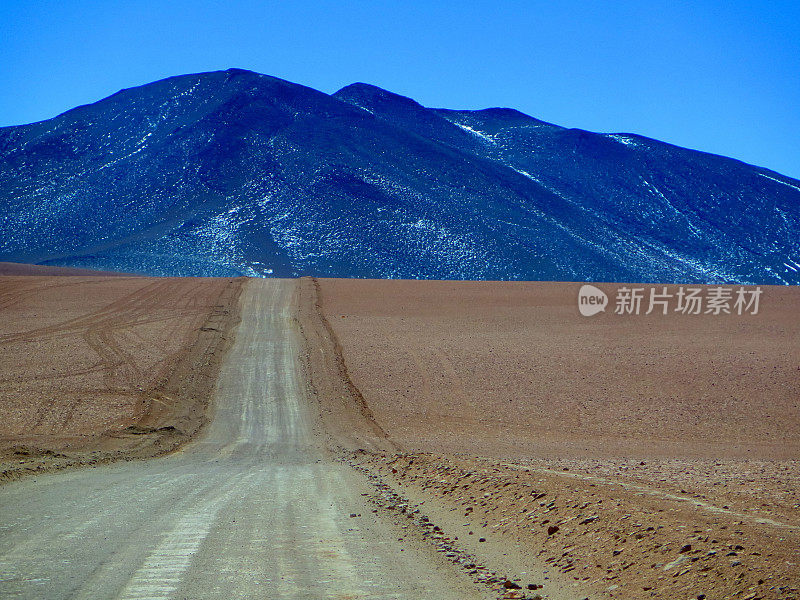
{"x":95,"y":368}
{"x":663,"y":448}
{"x":536,"y":451}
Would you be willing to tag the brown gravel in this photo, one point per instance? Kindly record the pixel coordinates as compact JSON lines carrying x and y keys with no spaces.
{"x":612,"y":539}
{"x":16,"y":269}
{"x":605,"y":457}
{"x":689,"y":425}
{"x":96,"y":368}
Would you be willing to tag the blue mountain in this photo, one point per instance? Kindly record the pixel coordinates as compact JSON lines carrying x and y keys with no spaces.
{"x":233,"y":172}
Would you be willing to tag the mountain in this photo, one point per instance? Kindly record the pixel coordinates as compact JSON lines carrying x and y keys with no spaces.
{"x":233,"y":172}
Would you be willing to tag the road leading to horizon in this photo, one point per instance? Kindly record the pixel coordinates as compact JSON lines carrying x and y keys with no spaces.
{"x":251,"y":509}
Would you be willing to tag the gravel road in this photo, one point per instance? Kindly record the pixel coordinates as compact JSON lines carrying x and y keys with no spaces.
{"x":253,"y":508}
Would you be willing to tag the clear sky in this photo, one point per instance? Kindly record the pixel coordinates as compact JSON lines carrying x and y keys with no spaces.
{"x":722,"y":76}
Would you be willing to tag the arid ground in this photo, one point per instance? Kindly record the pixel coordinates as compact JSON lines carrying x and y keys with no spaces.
{"x":663,"y":449}
{"x":94,"y":368}
{"x":534,"y":451}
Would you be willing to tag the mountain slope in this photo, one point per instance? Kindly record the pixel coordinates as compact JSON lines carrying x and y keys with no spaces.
{"x":233,"y":172}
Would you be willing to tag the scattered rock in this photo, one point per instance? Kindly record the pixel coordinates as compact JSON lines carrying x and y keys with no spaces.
{"x":678,"y":561}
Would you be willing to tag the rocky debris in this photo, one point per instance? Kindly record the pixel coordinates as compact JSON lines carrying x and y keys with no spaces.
{"x":387,"y":499}
{"x":676,"y":563}
{"x":607,"y":537}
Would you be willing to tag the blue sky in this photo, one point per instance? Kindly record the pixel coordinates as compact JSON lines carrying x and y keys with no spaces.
{"x":722,"y":77}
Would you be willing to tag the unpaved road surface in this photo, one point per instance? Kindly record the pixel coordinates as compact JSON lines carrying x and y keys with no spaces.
{"x":251,"y":509}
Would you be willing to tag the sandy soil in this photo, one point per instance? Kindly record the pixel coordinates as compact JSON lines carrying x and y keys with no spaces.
{"x":16,"y":269}
{"x":345,"y":419}
{"x":604,"y":457}
{"x":517,"y":368}
{"x":635,"y":436}
{"x":96,"y":368}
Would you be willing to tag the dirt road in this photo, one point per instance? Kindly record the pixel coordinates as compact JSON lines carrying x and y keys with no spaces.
{"x":254,"y":508}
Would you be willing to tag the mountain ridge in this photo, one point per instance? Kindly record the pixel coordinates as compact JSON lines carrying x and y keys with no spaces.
{"x":232,"y":172}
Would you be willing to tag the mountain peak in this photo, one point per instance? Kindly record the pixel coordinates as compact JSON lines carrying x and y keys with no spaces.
{"x":368,"y":96}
